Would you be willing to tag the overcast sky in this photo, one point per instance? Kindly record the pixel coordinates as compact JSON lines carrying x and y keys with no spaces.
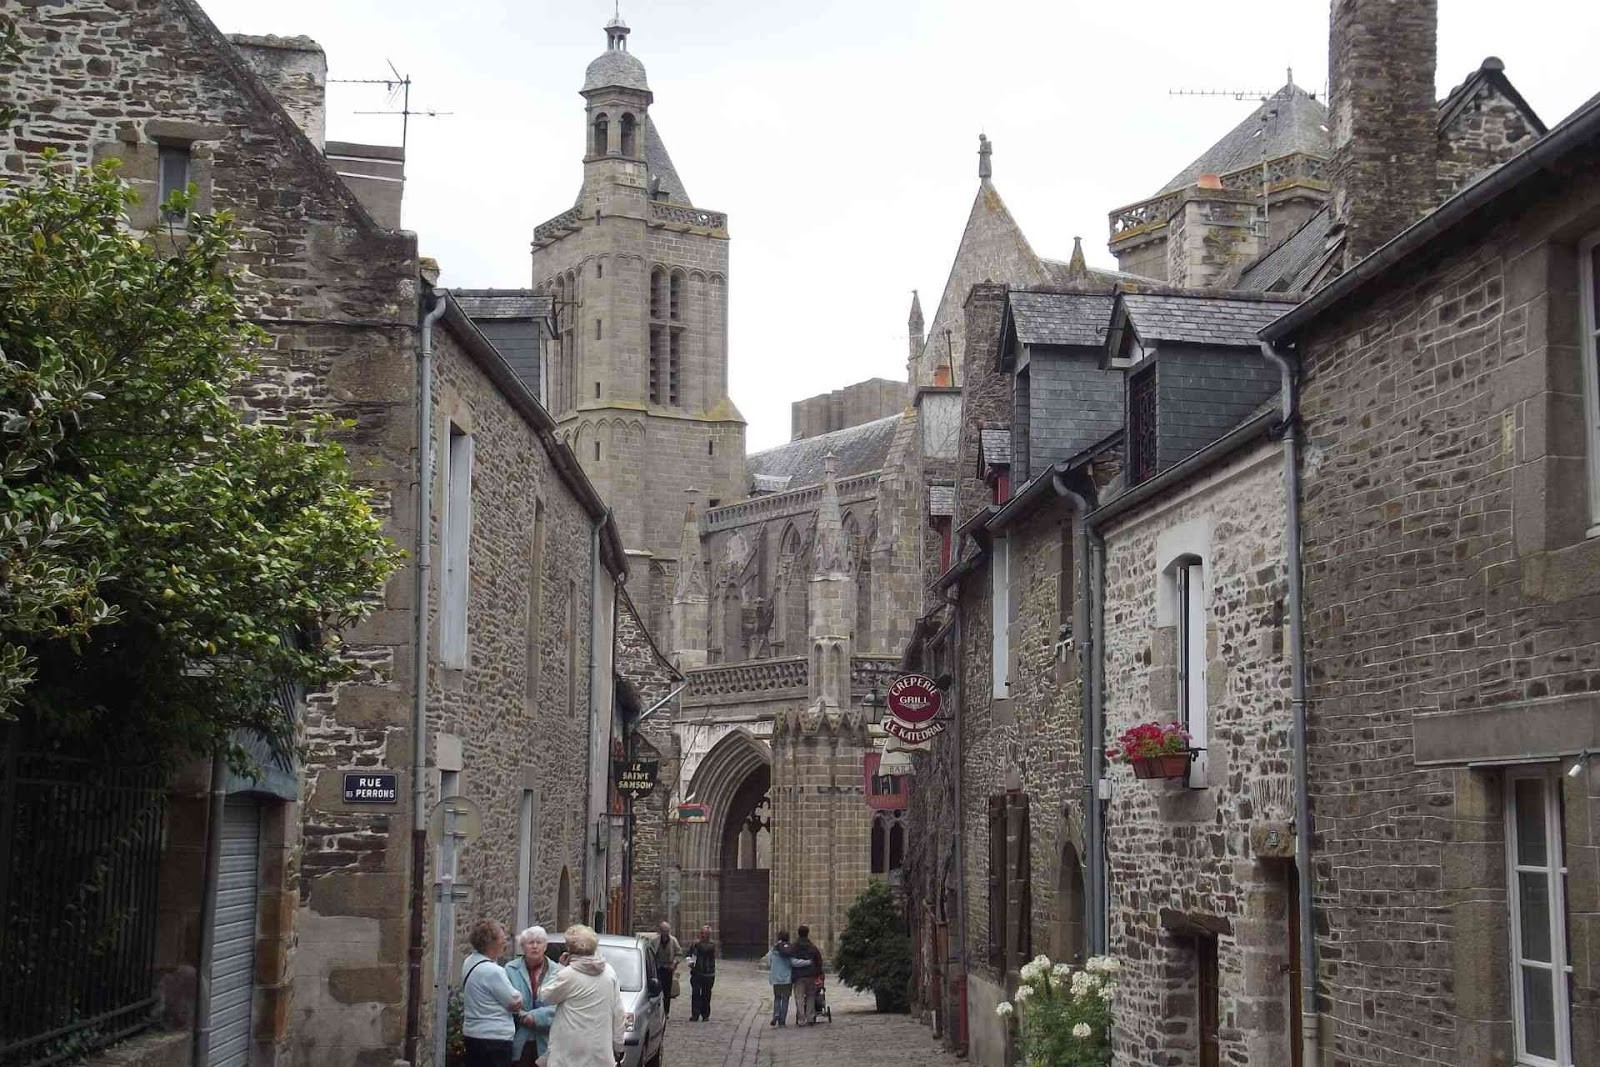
{"x":840,"y":136}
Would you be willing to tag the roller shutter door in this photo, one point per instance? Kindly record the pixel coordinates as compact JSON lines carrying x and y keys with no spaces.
{"x":234,"y":958}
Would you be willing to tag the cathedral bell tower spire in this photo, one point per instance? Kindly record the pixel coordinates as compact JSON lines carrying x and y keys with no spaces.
{"x":619,"y":98}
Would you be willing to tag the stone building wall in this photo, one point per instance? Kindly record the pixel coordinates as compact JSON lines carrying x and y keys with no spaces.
{"x":640,"y":661}
{"x":337,"y":295}
{"x":1186,"y":852}
{"x":1451,"y":622}
{"x":514,"y":733}
{"x":1489,"y":131}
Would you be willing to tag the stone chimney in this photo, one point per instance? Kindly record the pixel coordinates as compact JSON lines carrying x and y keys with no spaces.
{"x":296,"y":71}
{"x":1381,"y":60}
{"x":1212,"y":233}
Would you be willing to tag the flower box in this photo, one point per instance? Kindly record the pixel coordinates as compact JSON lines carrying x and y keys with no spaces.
{"x":1171,"y":765}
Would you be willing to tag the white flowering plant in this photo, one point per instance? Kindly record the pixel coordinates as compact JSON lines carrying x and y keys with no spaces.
{"x":1063,"y":1012}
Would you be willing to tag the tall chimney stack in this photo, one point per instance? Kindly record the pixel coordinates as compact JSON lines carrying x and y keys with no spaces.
{"x":1381,"y":59}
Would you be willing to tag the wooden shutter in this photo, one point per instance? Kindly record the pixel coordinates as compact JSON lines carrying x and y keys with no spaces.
{"x":998,"y":871}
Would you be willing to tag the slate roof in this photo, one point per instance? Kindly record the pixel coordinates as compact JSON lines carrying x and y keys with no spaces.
{"x":1295,"y":122}
{"x":995,"y":447}
{"x":941,"y":500}
{"x":659,"y":164}
{"x":615,"y":66}
{"x":1205,"y":320}
{"x":502,"y":303}
{"x":856,"y":450}
{"x":1061,"y":318}
{"x":1280,"y":270}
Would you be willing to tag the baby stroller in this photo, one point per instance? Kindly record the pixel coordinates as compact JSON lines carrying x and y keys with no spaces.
{"x":821,"y":1002}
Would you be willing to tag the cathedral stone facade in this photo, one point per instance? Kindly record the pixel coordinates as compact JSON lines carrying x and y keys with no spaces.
{"x":779,"y":583}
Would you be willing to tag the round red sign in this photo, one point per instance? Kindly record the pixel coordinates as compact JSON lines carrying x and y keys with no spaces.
{"x":914,"y":698}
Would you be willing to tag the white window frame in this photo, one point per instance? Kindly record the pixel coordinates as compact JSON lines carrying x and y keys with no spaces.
{"x":455,"y":538}
{"x":1000,"y":613}
{"x":1193,"y":617}
{"x":1555,"y":873}
{"x":1591,"y":371}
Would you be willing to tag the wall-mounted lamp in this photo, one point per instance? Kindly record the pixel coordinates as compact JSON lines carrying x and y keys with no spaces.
{"x":1578,"y":762}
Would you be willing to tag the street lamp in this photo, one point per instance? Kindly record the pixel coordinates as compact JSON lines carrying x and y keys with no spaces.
{"x":875,"y":702}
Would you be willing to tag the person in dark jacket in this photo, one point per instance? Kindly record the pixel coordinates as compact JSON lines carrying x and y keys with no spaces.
{"x":702,"y":975}
{"x":805,"y":967}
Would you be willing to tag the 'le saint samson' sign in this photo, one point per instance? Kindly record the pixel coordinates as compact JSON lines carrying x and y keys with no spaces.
{"x":635,"y":778}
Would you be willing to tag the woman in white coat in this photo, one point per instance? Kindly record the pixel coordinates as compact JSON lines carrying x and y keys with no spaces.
{"x":587,"y":1031}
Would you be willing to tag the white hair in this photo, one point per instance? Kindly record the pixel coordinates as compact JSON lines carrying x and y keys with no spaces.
{"x":581,"y":940}
{"x":532,"y":933}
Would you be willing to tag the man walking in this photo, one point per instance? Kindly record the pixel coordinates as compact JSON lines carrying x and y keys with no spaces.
{"x":668,"y":954}
{"x":805,"y":967}
{"x":702,"y":975}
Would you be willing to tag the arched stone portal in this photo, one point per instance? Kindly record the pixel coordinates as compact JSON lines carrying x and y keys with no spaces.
{"x":726,"y":861}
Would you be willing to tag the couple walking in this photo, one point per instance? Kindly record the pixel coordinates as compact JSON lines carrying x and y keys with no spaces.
{"x":534,"y":1010}
{"x":795,"y":970}
{"x":702,"y":957}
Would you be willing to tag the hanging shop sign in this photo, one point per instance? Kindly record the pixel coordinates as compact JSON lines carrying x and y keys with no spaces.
{"x":914,"y":698}
{"x":635,"y":778}
{"x":694,"y":812}
{"x":912,"y":733}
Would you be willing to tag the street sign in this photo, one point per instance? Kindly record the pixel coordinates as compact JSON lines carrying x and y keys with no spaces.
{"x":635,"y":778}
{"x":914,"y":698}
{"x":912,"y":733}
{"x":694,"y":812}
{"x":371,"y":787}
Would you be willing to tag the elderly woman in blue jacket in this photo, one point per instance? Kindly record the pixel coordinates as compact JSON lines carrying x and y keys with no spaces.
{"x":529,"y":972}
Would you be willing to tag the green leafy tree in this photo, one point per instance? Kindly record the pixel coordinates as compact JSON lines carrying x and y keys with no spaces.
{"x":168,"y":565}
{"x":875,"y":950}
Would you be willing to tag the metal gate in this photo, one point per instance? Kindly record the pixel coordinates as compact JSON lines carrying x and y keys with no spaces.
{"x":234,"y":960}
{"x":744,"y":912}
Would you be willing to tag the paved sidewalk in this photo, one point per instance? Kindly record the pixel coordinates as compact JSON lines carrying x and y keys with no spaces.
{"x":738,"y":1034}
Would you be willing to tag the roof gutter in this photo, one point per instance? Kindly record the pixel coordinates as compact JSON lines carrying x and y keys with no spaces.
{"x":1583,"y":125}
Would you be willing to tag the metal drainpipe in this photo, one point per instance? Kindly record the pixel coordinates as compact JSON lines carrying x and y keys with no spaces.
{"x":217,"y":798}
{"x":1087,"y":648}
{"x":1297,"y":691}
{"x":961,"y":849}
{"x":1099,"y":876}
{"x":419,"y":673}
{"x":591,"y":854}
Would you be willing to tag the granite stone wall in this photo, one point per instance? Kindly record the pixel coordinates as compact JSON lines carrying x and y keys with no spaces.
{"x":1451,"y":623}
{"x":1180,"y":853}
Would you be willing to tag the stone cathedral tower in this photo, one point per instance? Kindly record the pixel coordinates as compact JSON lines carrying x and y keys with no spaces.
{"x":638,"y":379}
{"x":821,"y":822}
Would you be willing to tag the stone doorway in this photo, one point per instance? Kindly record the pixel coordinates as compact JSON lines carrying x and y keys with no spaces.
{"x":726,"y":862}
{"x":747,"y":867}
{"x":1067,"y":941}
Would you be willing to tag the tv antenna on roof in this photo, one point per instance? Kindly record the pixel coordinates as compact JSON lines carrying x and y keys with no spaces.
{"x":397,"y":86}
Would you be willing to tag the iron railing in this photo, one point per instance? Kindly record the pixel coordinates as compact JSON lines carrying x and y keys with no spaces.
{"x":80,"y":844}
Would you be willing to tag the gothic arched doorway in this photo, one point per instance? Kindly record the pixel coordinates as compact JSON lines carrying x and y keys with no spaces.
{"x":747,"y":867}
{"x":727,"y":868}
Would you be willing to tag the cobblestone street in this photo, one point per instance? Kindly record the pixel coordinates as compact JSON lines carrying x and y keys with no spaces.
{"x":738,"y":1034}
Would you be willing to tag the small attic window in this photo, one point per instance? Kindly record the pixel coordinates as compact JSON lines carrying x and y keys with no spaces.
{"x":173,"y":163}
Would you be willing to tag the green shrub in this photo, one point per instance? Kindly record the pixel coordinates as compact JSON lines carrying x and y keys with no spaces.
{"x":875,"y":950}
